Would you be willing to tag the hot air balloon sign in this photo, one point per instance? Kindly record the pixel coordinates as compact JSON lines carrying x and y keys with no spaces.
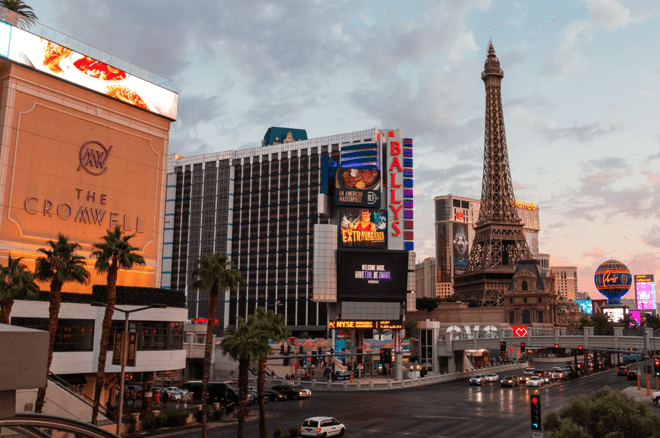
{"x":613,"y":279}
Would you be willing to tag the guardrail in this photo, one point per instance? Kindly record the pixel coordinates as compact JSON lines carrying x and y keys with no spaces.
{"x":380,"y":385}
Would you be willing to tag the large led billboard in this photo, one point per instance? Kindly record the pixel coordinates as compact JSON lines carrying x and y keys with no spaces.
{"x":645,"y":292}
{"x":586,"y":306}
{"x":614,"y":314}
{"x":357,"y":187}
{"x":48,"y":57}
{"x":460,"y":243}
{"x":372,"y":276}
{"x":363,"y":228}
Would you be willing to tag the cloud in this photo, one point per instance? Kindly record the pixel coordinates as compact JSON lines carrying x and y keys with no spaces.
{"x":556,"y":225}
{"x":652,"y":236}
{"x":564,"y":61}
{"x":610,"y":14}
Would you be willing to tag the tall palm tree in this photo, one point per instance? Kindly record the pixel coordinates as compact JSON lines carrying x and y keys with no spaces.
{"x":17,"y":13}
{"x":244,"y":344}
{"x":59,"y":265}
{"x":16,"y":282}
{"x":113,"y":254}
{"x":215,"y":273}
{"x":273,"y":327}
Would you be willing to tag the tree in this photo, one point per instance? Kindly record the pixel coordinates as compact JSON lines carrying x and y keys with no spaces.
{"x":426,"y":303}
{"x":272,"y":326}
{"x":603,"y":414}
{"x":651,"y":322}
{"x":599,"y":321}
{"x":17,"y":13}
{"x":16,"y":282}
{"x":113,"y":254}
{"x":59,"y":265}
{"x":214,"y":273}
{"x":244,"y":344}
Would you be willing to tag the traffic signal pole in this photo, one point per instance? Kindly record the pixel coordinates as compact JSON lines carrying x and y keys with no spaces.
{"x":536,"y":415}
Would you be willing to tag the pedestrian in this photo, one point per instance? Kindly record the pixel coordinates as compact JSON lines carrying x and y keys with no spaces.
{"x":134,"y":397}
{"x":108,"y":409}
{"x":157,"y":399}
{"x":126,"y":397}
{"x":185,"y":400}
{"x":166,"y":398}
{"x":176,"y":401}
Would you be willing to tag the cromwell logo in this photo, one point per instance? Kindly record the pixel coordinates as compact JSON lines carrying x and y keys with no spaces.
{"x":93,"y":155}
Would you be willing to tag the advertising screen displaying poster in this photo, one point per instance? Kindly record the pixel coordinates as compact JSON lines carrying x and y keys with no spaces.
{"x":460,"y":244}
{"x":597,"y":306}
{"x":51,"y":58}
{"x":357,"y":187}
{"x":614,"y":314}
{"x":636,"y":316}
{"x":645,"y":292}
{"x":363,"y":228}
{"x":586,"y":306}
{"x":368,"y":275}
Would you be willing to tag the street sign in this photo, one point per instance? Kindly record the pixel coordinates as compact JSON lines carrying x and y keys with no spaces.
{"x":632,"y":356}
{"x":132,"y":347}
{"x":116,"y":348}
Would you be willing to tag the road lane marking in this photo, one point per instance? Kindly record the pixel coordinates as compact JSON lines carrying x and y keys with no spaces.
{"x":441,"y":416}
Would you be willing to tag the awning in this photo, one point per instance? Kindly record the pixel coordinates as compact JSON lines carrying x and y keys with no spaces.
{"x":73,"y":379}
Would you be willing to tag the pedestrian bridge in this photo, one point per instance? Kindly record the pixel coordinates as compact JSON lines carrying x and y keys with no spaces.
{"x":616,"y":339}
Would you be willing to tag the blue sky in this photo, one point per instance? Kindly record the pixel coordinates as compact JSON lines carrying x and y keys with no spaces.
{"x":581,"y":94}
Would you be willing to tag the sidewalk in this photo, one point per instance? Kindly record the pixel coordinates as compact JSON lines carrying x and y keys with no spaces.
{"x":639,"y":396}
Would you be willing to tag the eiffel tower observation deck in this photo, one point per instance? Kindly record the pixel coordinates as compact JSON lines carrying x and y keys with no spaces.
{"x":499,"y":242}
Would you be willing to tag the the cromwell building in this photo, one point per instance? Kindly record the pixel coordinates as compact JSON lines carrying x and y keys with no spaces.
{"x":265,"y":208}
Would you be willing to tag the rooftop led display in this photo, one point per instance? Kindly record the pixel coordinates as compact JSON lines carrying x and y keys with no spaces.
{"x":586,"y":306}
{"x":48,"y":57}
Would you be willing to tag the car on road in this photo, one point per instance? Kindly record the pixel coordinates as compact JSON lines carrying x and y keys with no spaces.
{"x":622,"y":371}
{"x":526,"y":375}
{"x":306,"y":392}
{"x":509,"y":381}
{"x":322,"y":427}
{"x":632,"y":375}
{"x":250,"y":397}
{"x":547,"y":376}
{"x":535,"y":381}
{"x":558,"y":374}
{"x":478,"y":379}
{"x":273,"y":395}
{"x":656,"y":398}
{"x":290,"y":391}
{"x":492,"y":377}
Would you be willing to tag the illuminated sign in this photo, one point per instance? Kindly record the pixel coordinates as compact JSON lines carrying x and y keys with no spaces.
{"x":636,"y":316}
{"x":519,"y":330}
{"x":202,"y":321}
{"x":399,"y":183}
{"x":614,"y":314}
{"x":598,"y":306}
{"x":460,"y":248}
{"x":645,"y":292}
{"x":459,"y":215}
{"x":361,"y":324}
{"x":361,"y":155}
{"x":51,"y":58}
{"x":361,"y":227}
{"x":357,"y":187}
{"x":586,"y":306}
{"x":370,"y":275}
{"x":523,"y":205}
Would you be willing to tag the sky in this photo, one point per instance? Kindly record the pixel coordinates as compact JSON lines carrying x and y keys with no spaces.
{"x":581,"y":96}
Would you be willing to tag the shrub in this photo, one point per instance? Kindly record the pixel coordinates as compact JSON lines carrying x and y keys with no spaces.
{"x":294,"y":431}
{"x":131,"y":424}
{"x":173,"y":419}
{"x":211,"y":415}
{"x":149,"y":422}
{"x":278,"y":432}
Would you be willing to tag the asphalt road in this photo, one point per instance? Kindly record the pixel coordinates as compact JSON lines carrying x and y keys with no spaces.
{"x":452,"y":409}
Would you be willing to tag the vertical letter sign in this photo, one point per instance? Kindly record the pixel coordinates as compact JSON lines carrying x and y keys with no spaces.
{"x":399,"y":192}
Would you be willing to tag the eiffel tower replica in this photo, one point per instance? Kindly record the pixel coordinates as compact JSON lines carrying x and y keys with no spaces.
{"x":499,"y":242}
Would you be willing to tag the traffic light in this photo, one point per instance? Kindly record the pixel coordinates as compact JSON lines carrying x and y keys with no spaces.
{"x":556,"y":345}
{"x":580,"y":348}
{"x":536,"y":412}
{"x":288,"y":349}
{"x":656,"y":367}
{"x":332,"y":350}
{"x":382,"y":355}
{"x":502,"y":347}
{"x":282,"y":349}
{"x":522,"y":346}
{"x":387,"y":352}
{"x":301,"y":350}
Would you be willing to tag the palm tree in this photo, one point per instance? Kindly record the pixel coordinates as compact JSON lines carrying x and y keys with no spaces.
{"x":113,"y":254}
{"x":244,"y":344}
{"x":16,"y":282}
{"x":273,"y":327}
{"x":17,"y":13}
{"x":60,"y":265}
{"x":214,"y":273}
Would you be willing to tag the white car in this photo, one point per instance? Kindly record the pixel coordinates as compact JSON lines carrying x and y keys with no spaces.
{"x":535,"y":381}
{"x":656,"y":397}
{"x":322,"y":427}
{"x":558,"y":374}
{"x":492,"y":377}
{"x":478,"y":379}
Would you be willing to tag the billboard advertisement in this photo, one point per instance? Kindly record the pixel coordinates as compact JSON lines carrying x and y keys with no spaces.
{"x":645,"y":292}
{"x":460,"y":245}
{"x":597,"y":306}
{"x":48,"y":57}
{"x":636,"y":316}
{"x":361,"y":155}
{"x":399,"y":177}
{"x":363,"y":228}
{"x":357,"y":187}
{"x":371,"y":275}
{"x":586,"y":306}
{"x":614,"y":314}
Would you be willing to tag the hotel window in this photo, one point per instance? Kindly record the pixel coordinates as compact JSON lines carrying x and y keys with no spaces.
{"x":72,"y":334}
{"x":525,"y":317}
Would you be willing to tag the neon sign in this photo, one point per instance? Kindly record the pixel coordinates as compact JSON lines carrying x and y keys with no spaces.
{"x":523,"y":205}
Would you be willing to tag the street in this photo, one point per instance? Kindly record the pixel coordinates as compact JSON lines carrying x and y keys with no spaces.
{"x":451,"y":410}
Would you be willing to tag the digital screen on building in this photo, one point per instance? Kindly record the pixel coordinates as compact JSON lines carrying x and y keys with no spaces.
{"x":51,"y":58}
{"x":363,"y":228}
{"x":357,"y":187}
{"x":361,"y":324}
{"x":460,"y":243}
{"x":586,"y":306}
{"x":645,"y":292}
{"x":372,"y":276}
{"x":519,"y":330}
{"x":636,"y":316}
{"x":614,"y":314}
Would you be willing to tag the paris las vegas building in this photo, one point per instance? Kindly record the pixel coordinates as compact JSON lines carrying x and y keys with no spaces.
{"x":321,"y":229}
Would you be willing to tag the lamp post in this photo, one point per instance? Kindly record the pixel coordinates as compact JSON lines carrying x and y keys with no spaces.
{"x":124,"y":351}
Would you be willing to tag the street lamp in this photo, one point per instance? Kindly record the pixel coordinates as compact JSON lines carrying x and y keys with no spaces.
{"x":124,"y":348}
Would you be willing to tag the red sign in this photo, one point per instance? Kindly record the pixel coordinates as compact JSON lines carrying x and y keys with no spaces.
{"x":202,"y":321}
{"x":459,"y":215}
{"x":343,"y":334}
{"x":519,"y":330}
{"x":598,"y":306}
